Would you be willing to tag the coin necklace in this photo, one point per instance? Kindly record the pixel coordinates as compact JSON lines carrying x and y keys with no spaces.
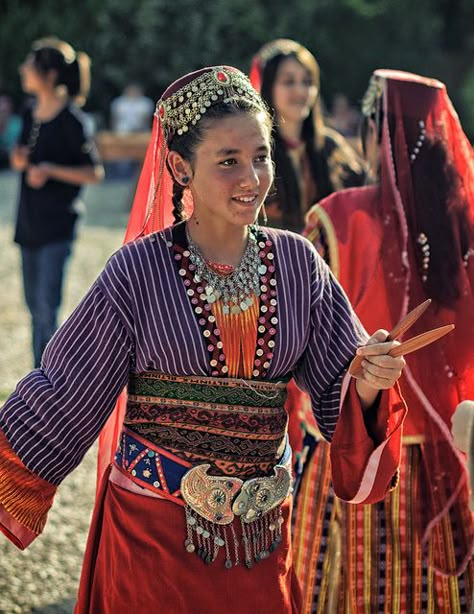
{"x":236,"y":289}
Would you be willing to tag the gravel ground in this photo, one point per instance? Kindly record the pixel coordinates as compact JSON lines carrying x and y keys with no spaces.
{"x":44,"y":578}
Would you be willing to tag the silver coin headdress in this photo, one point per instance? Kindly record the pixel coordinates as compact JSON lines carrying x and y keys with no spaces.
{"x":182,"y":110}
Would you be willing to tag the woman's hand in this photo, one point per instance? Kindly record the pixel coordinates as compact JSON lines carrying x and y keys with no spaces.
{"x":380,"y":371}
{"x":37,"y":176}
{"x":19,"y":157}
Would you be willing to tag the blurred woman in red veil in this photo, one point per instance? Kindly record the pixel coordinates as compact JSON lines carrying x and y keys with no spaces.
{"x":407,"y":237}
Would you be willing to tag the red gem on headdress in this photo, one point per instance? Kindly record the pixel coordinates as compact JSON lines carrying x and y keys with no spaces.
{"x":161,"y":111}
{"x":222,"y":76}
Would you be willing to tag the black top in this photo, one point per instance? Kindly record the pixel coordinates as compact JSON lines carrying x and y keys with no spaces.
{"x":48,"y":214}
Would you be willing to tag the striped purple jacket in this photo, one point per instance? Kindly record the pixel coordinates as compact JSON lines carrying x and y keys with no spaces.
{"x":137,"y":317}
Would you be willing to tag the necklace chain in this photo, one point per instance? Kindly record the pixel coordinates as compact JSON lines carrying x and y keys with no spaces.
{"x":237,"y":288}
{"x":34,"y":134}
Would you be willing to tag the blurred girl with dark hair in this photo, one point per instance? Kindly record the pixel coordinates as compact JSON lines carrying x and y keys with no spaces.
{"x":56,"y":157}
{"x":311,"y":159}
{"x":393,"y":244}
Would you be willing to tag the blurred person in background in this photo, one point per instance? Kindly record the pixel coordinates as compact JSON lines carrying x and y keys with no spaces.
{"x":462,"y":429}
{"x":407,"y":237}
{"x":311,"y":159}
{"x":344,"y":118}
{"x":10,"y":127}
{"x":131,"y":112}
{"x":55,"y":157}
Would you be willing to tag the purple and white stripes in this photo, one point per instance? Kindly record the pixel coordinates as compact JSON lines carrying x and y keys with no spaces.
{"x":137,"y":316}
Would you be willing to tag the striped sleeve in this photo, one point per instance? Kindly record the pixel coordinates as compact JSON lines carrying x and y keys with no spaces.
{"x":57,"y":412}
{"x":335,"y":333}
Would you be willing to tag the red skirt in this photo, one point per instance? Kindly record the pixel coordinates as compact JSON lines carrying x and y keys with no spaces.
{"x":136,"y":561}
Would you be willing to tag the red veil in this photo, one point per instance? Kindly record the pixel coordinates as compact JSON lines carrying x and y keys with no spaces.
{"x":409,"y":109}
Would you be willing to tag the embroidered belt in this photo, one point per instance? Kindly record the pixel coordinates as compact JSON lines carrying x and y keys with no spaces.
{"x":201,"y":389}
{"x":239,"y":426}
{"x":212,"y":502}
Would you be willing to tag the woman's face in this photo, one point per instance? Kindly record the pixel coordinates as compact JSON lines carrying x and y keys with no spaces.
{"x":32,"y":80}
{"x":294,"y":91}
{"x":232,"y":170}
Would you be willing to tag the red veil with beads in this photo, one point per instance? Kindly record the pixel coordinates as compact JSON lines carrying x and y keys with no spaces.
{"x":377,"y":243}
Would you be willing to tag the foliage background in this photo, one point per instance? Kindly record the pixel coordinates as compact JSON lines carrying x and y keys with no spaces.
{"x":154,"y":41}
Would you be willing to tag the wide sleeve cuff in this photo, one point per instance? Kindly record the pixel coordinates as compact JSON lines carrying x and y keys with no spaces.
{"x":365,"y":459}
{"x":25,"y":498}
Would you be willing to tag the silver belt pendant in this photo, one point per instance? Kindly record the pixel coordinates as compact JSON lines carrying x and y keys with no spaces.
{"x":213,"y":502}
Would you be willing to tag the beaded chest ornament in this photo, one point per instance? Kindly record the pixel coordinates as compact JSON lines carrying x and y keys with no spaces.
{"x":237,"y":288}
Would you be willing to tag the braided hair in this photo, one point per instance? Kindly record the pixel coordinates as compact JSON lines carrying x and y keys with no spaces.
{"x":177,"y":199}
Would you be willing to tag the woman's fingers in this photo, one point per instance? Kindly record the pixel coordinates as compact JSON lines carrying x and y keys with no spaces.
{"x":377,"y":382}
{"x":381,"y":365}
{"x":381,"y":371}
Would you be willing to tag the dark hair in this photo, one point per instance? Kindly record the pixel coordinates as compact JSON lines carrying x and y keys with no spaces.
{"x":187,"y":143}
{"x":312,"y":135}
{"x":72,"y":68}
{"x":440,"y":212}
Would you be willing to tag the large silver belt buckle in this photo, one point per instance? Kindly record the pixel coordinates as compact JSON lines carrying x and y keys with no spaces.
{"x":220,"y":499}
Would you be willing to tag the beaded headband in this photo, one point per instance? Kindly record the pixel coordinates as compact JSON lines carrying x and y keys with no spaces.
{"x":185,"y":107}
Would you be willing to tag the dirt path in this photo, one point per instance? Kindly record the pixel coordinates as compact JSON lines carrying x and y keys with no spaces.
{"x":44,"y":578}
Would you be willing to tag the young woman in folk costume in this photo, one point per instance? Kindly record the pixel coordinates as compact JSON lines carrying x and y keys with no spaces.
{"x":311,"y":159}
{"x":56,"y":157}
{"x":407,"y":237}
{"x":204,"y":321}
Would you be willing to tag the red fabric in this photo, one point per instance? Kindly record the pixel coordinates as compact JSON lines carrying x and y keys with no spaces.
{"x":25,"y":498}
{"x":136,"y":562}
{"x":379,"y":272}
{"x":353,"y":445}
